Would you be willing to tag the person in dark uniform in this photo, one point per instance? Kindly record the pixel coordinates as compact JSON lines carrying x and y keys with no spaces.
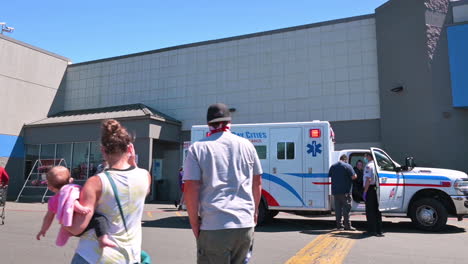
{"x":373,"y":215}
{"x":358,"y":184}
{"x":342,"y":176}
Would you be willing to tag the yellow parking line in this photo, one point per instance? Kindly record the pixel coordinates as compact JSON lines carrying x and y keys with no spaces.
{"x":328,"y":248}
{"x":149,"y":214}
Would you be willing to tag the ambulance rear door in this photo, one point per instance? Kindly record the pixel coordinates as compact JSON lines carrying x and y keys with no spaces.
{"x":286,"y":183}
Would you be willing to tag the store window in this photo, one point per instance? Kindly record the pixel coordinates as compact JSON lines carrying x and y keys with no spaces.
{"x":32,"y":155}
{"x":64,"y":151}
{"x":261,"y":151}
{"x":285,"y":150}
{"x":47,"y":152}
{"x":79,"y":167}
{"x":95,"y":158}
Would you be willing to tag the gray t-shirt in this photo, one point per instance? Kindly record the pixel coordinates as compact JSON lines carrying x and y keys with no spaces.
{"x":225,"y":165}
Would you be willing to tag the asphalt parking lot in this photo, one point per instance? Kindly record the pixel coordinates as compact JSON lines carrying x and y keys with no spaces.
{"x":288,"y":239}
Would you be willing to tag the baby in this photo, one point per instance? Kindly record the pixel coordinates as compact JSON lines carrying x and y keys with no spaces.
{"x":64,"y":203}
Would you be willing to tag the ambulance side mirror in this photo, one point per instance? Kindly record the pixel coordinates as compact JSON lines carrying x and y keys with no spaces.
{"x":410,"y":163}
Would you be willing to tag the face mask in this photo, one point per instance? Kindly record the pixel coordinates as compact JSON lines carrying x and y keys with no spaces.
{"x":366,"y":160}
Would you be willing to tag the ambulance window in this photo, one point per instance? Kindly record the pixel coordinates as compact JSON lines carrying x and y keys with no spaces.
{"x":281,"y":150}
{"x":355,"y":157}
{"x":261,"y":151}
{"x":285,"y":150}
{"x":290,"y":150}
{"x":384,"y":162}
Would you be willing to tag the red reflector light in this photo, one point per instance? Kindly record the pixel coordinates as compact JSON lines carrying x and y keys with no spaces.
{"x":314,"y":133}
{"x":207,"y":134}
{"x":446,"y":184}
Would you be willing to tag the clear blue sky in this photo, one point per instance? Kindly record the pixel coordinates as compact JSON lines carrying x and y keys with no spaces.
{"x":88,"y":30}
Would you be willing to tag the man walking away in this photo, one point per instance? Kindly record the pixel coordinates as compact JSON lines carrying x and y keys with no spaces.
{"x":342,"y":176}
{"x":373,"y":215}
{"x":222,"y":175}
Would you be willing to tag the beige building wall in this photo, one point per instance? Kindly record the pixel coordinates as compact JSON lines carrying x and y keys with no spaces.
{"x":325,"y":71}
{"x":29,"y":79}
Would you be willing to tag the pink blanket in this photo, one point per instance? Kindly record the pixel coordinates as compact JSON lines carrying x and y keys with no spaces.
{"x":67,"y":197}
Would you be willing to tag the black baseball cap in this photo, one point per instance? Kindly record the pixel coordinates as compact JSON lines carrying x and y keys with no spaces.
{"x":218,"y":112}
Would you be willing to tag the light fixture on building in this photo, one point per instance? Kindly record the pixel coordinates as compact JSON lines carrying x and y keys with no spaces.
{"x":5,"y":28}
{"x":397,"y":89}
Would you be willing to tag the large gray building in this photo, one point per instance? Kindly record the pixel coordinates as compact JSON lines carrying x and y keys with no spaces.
{"x":394,"y":79}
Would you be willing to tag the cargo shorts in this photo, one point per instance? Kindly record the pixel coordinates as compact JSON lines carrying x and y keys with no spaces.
{"x":225,"y":246}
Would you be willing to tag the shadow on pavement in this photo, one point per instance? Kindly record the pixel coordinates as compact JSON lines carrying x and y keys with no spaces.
{"x":321,"y":226}
{"x":310,"y":226}
{"x":180,"y":222}
{"x":315,"y":227}
{"x":408,"y":227}
{"x":169,"y":210}
{"x":348,"y":234}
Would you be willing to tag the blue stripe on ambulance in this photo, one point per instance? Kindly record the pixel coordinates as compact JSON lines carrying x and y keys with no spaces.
{"x":288,"y":187}
{"x":309,"y":175}
{"x":416,"y":177}
{"x":284,"y":184}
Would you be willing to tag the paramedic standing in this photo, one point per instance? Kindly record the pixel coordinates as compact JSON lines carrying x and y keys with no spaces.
{"x":222,"y":175}
{"x":342,"y":176}
{"x":373,"y":215}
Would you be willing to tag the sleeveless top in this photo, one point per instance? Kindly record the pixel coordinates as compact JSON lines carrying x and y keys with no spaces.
{"x":132,"y":185}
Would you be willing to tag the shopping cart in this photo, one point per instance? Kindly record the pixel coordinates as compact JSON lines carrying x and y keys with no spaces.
{"x":3,"y":196}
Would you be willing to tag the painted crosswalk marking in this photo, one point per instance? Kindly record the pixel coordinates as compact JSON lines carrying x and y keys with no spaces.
{"x":331,"y":248}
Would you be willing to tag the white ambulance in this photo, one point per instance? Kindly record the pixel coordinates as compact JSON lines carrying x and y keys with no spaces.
{"x":296,"y":158}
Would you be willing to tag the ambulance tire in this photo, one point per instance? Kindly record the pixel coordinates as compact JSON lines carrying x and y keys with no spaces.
{"x":428,"y":214}
{"x":262,"y":211}
{"x":273,"y":213}
{"x":264,"y":215}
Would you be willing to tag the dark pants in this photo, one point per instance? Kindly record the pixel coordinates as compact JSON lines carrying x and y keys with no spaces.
{"x":342,"y":209}
{"x":77,"y":259}
{"x":225,"y":246}
{"x":373,"y":215}
{"x":99,"y":223}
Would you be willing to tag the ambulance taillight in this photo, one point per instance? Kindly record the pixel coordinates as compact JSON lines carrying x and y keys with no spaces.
{"x":315,"y":133}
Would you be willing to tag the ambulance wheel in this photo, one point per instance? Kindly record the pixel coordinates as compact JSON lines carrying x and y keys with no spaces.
{"x":261,"y":213}
{"x":273,"y":213}
{"x":428,"y":214}
{"x":264,"y":215}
